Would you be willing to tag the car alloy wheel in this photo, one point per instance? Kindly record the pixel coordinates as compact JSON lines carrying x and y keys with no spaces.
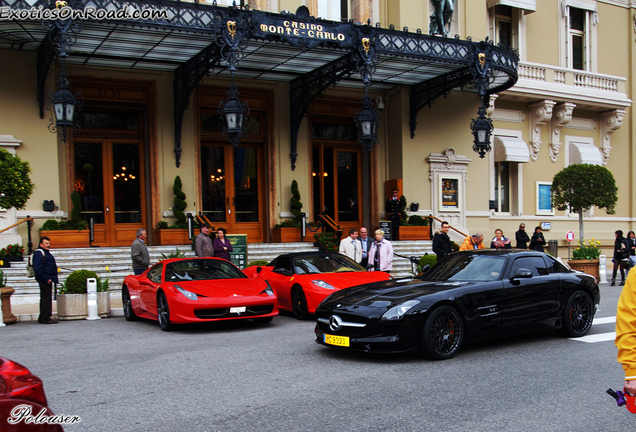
{"x":442,"y":334}
{"x":299,"y":304}
{"x":129,"y":313}
{"x":163,"y":313}
{"x":578,"y":315}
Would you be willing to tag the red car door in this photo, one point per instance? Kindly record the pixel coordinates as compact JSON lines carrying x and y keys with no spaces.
{"x":148,"y":288}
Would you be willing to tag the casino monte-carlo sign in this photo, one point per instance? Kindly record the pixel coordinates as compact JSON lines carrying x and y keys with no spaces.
{"x":307,"y":33}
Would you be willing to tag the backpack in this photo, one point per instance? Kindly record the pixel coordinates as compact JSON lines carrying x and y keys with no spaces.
{"x":29,"y":268}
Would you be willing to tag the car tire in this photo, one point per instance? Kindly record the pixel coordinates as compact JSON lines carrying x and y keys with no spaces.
{"x":299,"y":304}
{"x":442,"y":333}
{"x":264,"y":320}
{"x":577,"y":315}
{"x":129,"y":313}
{"x":163,"y":313}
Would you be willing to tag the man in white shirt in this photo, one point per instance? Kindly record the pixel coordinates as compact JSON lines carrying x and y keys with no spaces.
{"x":351,"y":246}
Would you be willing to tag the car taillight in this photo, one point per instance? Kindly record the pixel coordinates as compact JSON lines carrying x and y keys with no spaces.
{"x":18,"y":383}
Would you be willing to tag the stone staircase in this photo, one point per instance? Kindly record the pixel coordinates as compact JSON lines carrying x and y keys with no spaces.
{"x":117,"y":259}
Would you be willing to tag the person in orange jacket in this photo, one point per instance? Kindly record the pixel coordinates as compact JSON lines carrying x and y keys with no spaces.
{"x":475,"y":241}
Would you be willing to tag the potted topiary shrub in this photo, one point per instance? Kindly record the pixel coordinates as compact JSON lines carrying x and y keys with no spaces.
{"x":177,"y":233}
{"x":72,"y":300}
{"x":71,"y":233}
{"x":579,"y":187}
{"x":289,"y":230}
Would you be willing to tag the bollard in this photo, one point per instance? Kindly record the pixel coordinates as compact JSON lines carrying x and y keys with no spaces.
{"x":91,"y":290}
{"x":2,"y":324}
{"x":602,"y":268}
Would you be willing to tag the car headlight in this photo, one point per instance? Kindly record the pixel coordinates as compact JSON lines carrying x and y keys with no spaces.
{"x":397,"y":312}
{"x":188,"y":294}
{"x":322,"y":284}
{"x":268,"y":290}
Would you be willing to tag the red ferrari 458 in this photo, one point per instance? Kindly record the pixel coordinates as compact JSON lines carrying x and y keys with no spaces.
{"x":303,"y":280}
{"x":188,"y":290}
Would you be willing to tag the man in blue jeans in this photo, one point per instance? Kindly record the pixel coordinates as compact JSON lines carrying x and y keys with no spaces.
{"x":45,"y":270}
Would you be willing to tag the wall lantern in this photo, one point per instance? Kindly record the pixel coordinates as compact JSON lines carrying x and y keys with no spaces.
{"x":234,"y":113}
{"x":64,"y":104}
{"x":367,"y":122}
{"x":482,"y":129}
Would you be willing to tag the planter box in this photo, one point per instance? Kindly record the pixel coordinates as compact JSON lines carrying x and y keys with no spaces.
{"x":75,"y":306}
{"x":167,"y":237}
{"x":67,"y":238}
{"x":13,"y":258}
{"x":586,"y":266}
{"x":7,"y":316}
{"x":5,"y":263}
{"x":286,"y":235}
{"x":415,"y":233}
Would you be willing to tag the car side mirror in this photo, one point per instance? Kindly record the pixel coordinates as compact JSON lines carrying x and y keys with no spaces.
{"x":282,"y":271}
{"x":426,"y":269}
{"x":521,"y":273}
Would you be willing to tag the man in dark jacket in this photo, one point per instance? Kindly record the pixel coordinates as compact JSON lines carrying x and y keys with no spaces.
{"x":392,"y":208}
{"x":441,"y":242}
{"x":45,"y":270}
{"x":522,"y":237}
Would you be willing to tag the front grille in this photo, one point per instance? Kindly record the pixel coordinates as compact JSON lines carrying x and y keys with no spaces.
{"x":225,"y":312}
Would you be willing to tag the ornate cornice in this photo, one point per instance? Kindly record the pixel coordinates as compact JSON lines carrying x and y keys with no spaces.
{"x":540,"y":114}
{"x":610,"y":122}
{"x":562,"y":116}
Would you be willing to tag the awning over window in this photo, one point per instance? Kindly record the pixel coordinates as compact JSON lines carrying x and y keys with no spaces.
{"x":528,"y":6}
{"x":509,"y":149}
{"x":585,"y":154}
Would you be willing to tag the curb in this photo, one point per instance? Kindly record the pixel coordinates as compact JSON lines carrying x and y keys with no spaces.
{"x":115,"y":312}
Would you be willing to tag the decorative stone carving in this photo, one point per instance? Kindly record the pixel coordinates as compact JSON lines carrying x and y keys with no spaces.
{"x":610,"y":121}
{"x":540,"y":114}
{"x":491,"y":105}
{"x":449,"y":161}
{"x":562,"y":116}
{"x":9,"y":143}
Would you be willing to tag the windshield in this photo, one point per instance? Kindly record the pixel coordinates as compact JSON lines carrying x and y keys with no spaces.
{"x":468,"y":267}
{"x":201,"y":269}
{"x":315,"y":264}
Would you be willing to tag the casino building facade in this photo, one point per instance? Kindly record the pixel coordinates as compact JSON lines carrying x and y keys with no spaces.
{"x":553,"y":77}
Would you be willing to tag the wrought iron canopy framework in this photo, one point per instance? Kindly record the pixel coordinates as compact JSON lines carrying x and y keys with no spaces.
{"x":309,"y":53}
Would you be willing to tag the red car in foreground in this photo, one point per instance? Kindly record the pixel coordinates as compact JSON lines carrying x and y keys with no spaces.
{"x":188,"y":290}
{"x":302,"y":280}
{"x":23,"y":405}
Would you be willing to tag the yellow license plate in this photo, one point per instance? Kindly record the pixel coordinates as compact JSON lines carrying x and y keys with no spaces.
{"x":337,"y":340}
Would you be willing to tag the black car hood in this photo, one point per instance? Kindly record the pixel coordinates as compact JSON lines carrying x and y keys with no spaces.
{"x":387,"y":294}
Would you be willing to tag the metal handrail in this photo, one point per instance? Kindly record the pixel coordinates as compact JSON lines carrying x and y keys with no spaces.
{"x":440,"y":221}
{"x":15,"y":225}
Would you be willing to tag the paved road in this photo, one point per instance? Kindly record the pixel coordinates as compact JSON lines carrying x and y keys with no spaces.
{"x":121,"y":376}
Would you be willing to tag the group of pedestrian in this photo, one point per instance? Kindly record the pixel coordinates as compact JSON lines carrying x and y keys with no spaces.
{"x":374,"y":255}
{"x":442,"y":244}
{"x":624,"y":255}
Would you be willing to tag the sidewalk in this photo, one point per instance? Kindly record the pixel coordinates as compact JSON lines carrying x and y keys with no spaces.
{"x":31,"y":311}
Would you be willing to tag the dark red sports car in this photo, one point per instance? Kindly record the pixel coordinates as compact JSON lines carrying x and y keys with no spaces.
{"x":303,"y":280}
{"x":188,"y":290}
{"x":23,"y":405}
